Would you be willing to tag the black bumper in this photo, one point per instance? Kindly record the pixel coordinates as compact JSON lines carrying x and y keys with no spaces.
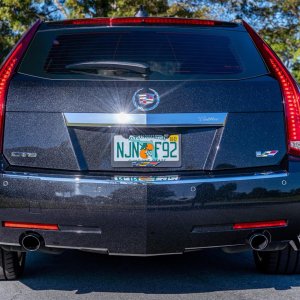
{"x":152,"y":216}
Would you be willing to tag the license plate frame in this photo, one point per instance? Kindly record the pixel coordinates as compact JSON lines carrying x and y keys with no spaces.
{"x":150,"y":162}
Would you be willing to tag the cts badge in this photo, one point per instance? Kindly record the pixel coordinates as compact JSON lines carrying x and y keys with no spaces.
{"x":145,"y":99}
{"x":269,"y":153}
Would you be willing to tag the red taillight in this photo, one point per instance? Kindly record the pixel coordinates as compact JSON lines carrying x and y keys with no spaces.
{"x":256,"y":225}
{"x":8,"y":224}
{"x":141,"y":21}
{"x":290,"y":91}
{"x":8,"y":68}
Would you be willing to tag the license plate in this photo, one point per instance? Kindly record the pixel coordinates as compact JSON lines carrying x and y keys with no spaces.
{"x":146,"y":151}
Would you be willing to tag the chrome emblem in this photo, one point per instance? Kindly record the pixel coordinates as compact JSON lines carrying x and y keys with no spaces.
{"x":24,"y":154}
{"x":145,"y":99}
{"x":269,"y":153}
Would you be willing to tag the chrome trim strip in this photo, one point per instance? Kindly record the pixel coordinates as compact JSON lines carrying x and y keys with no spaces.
{"x":11,"y":244}
{"x":103,"y":250}
{"x":145,"y":120}
{"x":210,"y":247}
{"x":80,"y":180}
{"x":144,"y":255}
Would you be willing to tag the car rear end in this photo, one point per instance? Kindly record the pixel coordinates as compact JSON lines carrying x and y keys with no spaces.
{"x":194,"y":145}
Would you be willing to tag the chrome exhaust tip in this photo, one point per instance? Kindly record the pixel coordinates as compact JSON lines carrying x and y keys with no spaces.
{"x":31,"y":241}
{"x":259,"y":241}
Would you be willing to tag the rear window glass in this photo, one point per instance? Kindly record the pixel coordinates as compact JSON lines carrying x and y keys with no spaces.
{"x":170,"y":54}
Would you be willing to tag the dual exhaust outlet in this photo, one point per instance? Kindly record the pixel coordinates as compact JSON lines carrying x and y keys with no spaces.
{"x":33,"y":241}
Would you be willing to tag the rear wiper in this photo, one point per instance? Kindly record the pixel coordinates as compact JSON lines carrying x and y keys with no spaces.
{"x":129,"y":66}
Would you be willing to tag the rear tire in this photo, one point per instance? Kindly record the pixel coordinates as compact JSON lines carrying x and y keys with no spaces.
{"x":286,"y":261}
{"x":11,"y":264}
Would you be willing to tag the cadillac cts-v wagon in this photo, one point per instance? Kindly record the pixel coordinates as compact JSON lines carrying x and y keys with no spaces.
{"x":147,"y":136}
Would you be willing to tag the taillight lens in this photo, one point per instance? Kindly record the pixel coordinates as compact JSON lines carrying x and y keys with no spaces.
{"x":8,"y":68}
{"x":290,"y":91}
{"x":263,"y":224}
{"x":9,"y":224}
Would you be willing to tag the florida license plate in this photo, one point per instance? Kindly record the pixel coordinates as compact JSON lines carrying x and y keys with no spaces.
{"x":146,"y":151}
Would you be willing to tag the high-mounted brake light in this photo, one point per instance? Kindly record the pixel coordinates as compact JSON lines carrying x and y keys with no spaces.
{"x":162,"y":21}
{"x":9,"y":224}
{"x":95,"y":21}
{"x":8,"y":68}
{"x":290,"y":91}
{"x":257,"y":225}
{"x":144,"y":21}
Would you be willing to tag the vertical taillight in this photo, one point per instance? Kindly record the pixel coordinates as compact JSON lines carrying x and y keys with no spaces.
{"x":8,"y":68}
{"x":290,"y":91}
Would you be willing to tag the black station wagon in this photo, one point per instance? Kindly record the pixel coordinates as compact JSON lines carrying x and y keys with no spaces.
{"x":147,"y":136}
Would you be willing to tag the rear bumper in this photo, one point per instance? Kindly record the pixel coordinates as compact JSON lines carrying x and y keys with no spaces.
{"x":152,"y":216}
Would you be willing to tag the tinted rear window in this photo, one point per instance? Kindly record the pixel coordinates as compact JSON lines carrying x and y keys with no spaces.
{"x":170,"y":53}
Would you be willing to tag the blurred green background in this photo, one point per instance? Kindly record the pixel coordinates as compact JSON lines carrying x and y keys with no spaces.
{"x":277,"y":21}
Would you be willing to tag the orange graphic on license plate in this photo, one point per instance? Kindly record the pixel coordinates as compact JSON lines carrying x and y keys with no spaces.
{"x":146,"y":150}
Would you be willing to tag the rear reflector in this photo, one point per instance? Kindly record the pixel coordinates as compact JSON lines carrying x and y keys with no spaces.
{"x":266,"y":224}
{"x":8,"y":69}
{"x":290,"y":91}
{"x":144,"y":21}
{"x":9,"y":224}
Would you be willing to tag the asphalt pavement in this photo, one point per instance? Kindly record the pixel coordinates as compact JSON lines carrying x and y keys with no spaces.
{"x":210,"y":274}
